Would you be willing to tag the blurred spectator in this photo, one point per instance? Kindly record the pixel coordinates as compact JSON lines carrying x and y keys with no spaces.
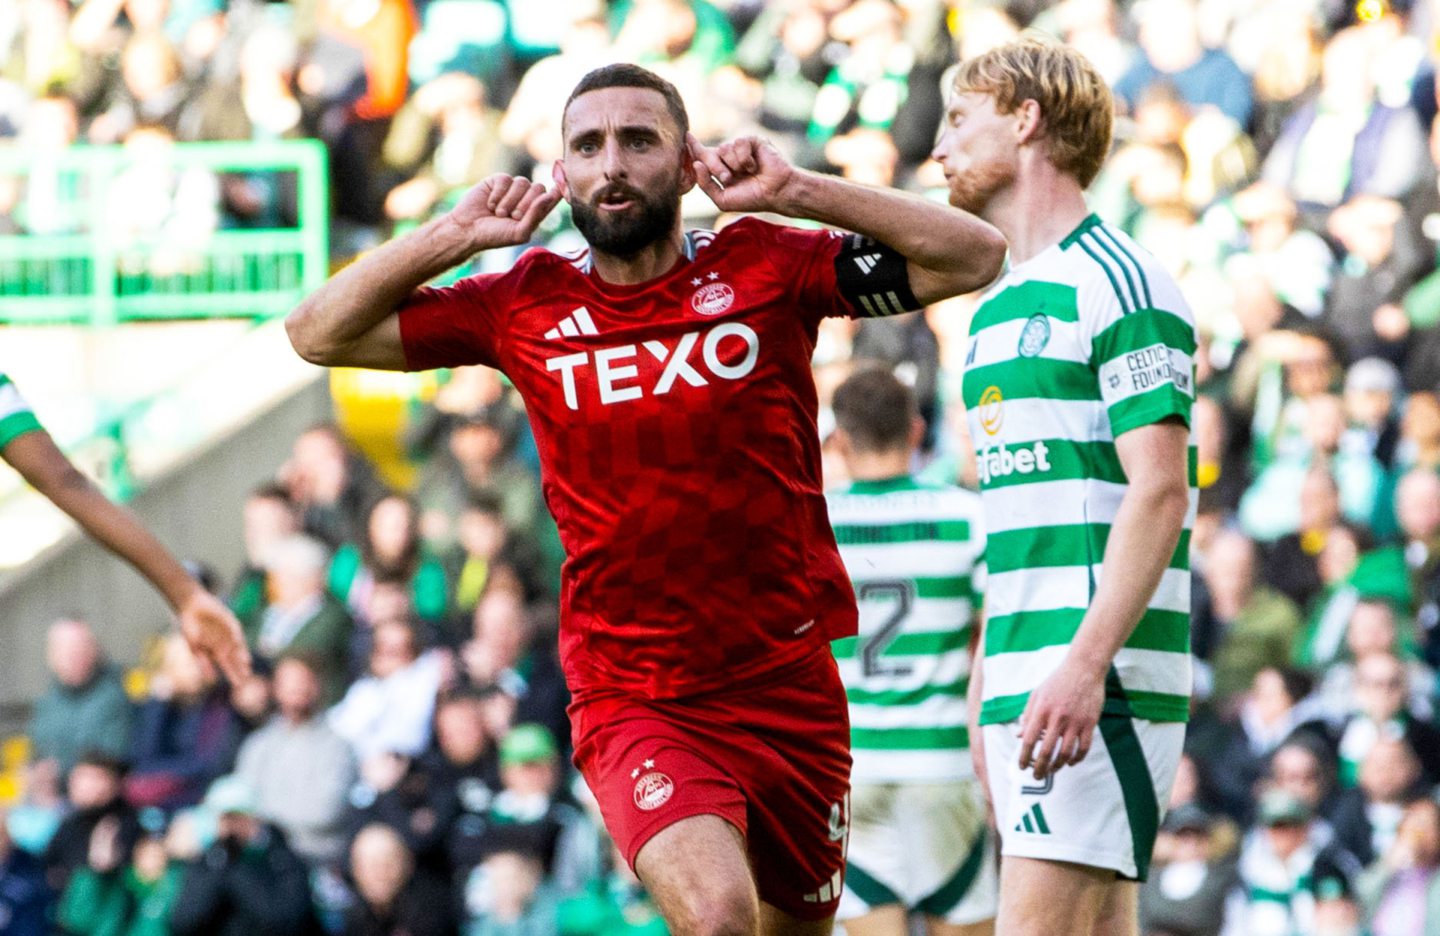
{"x":1352,"y":571}
{"x":24,"y":894}
{"x":96,"y":783}
{"x":300,"y":769}
{"x":1401,"y":891}
{"x":390,"y":551}
{"x":1344,"y":142}
{"x":1292,"y":562}
{"x":507,"y":896}
{"x":509,"y":651}
{"x":487,"y":551}
{"x":1093,"y":27}
{"x":870,"y":85}
{"x":1372,"y":391}
{"x":166,"y":213}
{"x":527,"y":812}
{"x":1277,"y":375}
{"x":248,"y":881}
{"x":261,"y":103}
{"x":43,"y":56}
{"x":1190,"y":784}
{"x":479,"y":458}
{"x":1220,"y":471}
{"x":444,"y":140}
{"x":85,"y":707}
{"x":788,"y":52}
{"x":268,"y":518}
{"x":1297,"y":263}
{"x":1171,"y":50}
{"x":467,"y":390}
{"x":1257,"y":625}
{"x":1420,"y":432}
{"x":1283,"y":874}
{"x":393,"y":898}
{"x":1271,"y":507}
{"x":1282,"y":50}
{"x":44,"y":201}
{"x":32,"y":821}
{"x":1373,"y":628}
{"x":380,"y":32}
{"x":1304,"y":767}
{"x":685,"y":40}
{"x":1383,"y":259}
{"x":187,"y":733}
{"x":401,"y":794}
{"x":333,"y":487}
{"x":1417,"y":508}
{"x":389,"y":710}
{"x":301,"y":614}
{"x":1380,"y":709}
{"x":531,"y":124}
{"x":1266,"y":717}
{"x":153,"y":91}
{"x":1367,"y":818}
{"x":465,"y":765}
{"x":614,"y":904}
{"x":1192,"y":874}
{"x":110,"y":896}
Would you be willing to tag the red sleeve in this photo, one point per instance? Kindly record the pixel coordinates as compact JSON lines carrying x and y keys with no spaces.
{"x":807,"y":259}
{"x":455,"y":325}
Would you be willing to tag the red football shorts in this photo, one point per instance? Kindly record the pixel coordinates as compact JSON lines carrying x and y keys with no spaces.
{"x":772,"y":759}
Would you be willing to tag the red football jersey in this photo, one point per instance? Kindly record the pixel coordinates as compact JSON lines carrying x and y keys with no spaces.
{"x":675,"y":421}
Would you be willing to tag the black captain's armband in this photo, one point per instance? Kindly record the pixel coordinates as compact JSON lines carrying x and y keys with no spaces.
{"x":874,"y":278}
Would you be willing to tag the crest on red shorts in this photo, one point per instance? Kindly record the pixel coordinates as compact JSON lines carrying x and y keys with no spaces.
{"x":653,"y":791}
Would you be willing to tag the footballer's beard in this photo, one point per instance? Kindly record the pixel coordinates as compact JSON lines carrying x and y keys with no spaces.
{"x":624,"y":235}
{"x":977,"y":186}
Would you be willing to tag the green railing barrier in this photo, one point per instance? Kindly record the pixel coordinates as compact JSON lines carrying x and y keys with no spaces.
{"x":71,"y":259}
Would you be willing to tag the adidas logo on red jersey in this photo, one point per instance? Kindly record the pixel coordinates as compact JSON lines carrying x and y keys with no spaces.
{"x":576,"y":323}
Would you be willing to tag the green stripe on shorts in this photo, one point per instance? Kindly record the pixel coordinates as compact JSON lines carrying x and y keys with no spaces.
{"x":1136,"y":787}
{"x":867,"y":888}
{"x":949,"y":894}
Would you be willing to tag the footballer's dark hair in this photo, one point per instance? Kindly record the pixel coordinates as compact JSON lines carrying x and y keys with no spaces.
{"x":875,"y":409}
{"x":624,"y":75}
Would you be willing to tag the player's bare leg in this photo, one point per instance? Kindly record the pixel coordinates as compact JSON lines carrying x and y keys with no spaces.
{"x":1120,"y":914}
{"x":698,"y":876}
{"x":776,"y":922}
{"x":934,"y":927}
{"x":1051,"y":898}
{"x":889,"y":920}
{"x":892,"y":920}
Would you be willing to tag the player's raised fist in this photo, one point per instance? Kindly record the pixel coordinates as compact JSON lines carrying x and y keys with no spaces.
{"x":744,"y":174}
{"x":503,"y":210}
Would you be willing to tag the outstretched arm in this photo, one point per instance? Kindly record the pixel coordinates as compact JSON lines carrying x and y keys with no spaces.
{"x":351,"y":320}
{"x":948,"y":251}
{"x":206,"y":623}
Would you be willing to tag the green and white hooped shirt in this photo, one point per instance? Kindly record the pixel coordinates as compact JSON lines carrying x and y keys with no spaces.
{"x":913,"y":552}
{"x":16,"y":419}
{"x":1087,"y":340}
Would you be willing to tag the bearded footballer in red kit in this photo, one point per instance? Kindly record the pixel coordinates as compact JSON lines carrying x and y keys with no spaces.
{"x":667,"y":378}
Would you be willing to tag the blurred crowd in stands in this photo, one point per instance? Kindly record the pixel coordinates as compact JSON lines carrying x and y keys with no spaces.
{"x":399,"y":762}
